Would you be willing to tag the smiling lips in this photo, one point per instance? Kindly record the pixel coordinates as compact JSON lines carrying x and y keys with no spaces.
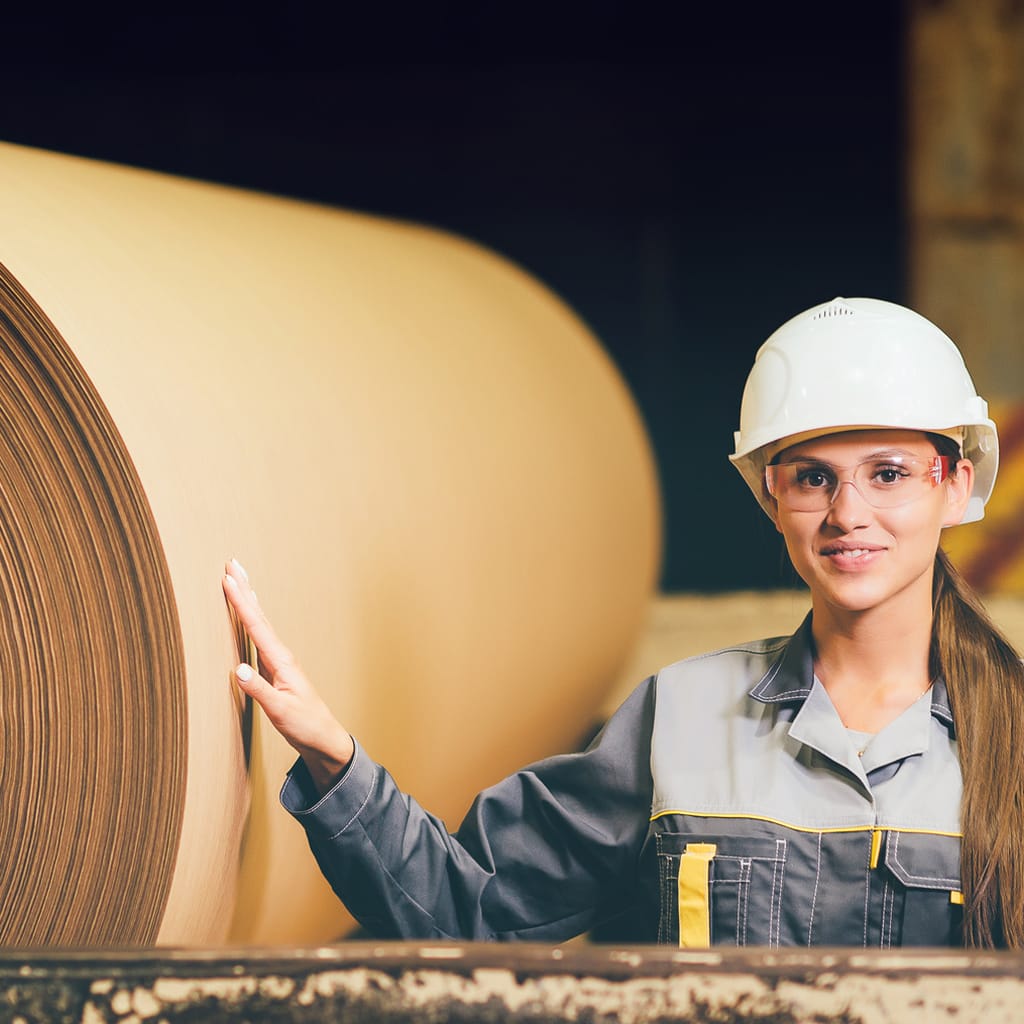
{"x":840,"y":551}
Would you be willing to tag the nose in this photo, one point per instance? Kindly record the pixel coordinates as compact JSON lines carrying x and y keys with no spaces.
{"x":848,"y":509}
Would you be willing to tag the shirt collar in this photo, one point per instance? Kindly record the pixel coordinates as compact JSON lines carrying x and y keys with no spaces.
{"x":790,"y":677}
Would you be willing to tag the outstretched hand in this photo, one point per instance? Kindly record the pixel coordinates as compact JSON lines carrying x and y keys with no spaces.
{"x":282,"y":690}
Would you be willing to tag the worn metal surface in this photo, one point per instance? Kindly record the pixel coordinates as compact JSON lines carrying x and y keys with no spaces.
{"x":392,"y":982}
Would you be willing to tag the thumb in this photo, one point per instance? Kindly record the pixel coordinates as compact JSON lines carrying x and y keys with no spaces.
{"x":252,"y":683}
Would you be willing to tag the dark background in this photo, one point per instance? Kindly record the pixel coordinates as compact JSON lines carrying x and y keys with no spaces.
{"x":686,"y":179}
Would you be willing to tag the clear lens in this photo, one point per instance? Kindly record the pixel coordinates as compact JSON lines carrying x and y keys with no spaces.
{"x":807,"y":485}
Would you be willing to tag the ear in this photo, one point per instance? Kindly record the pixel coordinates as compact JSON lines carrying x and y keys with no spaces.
{"x":959,"y":486}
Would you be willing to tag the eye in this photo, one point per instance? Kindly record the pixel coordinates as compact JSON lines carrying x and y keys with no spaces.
{"x":889,"y":474}
{"x":813,"y":478}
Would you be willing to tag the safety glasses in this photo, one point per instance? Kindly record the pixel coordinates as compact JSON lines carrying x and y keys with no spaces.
{"x":809,"y":485}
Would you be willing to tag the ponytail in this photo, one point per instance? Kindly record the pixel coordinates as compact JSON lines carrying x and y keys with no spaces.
{"x":985,"y":681}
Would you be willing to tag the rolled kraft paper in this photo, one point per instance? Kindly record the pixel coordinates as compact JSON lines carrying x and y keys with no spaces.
{"x":437,"y":480}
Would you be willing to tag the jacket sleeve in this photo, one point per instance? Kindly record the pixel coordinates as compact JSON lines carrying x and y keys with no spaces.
{"x":543,"y":855}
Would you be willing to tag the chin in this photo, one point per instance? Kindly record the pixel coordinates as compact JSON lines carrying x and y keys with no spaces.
{"x":853,"y":603}
{"x":863,"y":595}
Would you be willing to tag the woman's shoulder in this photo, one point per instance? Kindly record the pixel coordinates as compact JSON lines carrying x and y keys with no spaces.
{"x":739,"y":654}
{"x":726,"y":673}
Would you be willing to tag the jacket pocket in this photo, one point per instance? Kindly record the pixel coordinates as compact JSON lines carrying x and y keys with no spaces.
{"x":924,"y":902}
{"x":743,"y":892}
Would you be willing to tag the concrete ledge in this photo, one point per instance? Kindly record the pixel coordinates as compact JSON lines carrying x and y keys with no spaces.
{"x":486,"y":984}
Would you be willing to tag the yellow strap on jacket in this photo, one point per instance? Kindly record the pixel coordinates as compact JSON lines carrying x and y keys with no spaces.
{"x":694,"y":901}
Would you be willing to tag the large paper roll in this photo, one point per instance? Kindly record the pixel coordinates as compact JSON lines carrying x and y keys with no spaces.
{"x":436,"y":478}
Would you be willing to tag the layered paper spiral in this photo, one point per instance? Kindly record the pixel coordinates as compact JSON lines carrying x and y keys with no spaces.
{"x":436,"y":478}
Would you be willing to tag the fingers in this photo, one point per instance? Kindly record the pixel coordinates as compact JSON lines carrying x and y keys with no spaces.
{"x":282,"y":690}
{"x":262,"y":678}
{"x":274,"y":656}
{"x":239,"y":593}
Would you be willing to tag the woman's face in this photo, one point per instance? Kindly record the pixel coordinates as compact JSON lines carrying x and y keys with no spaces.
{"x":857,"y":557}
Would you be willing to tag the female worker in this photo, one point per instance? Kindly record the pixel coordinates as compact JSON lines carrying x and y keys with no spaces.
{"x":858,"y":783}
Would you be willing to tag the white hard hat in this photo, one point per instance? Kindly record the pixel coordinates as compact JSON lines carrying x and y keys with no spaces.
{"x":854,"y":364}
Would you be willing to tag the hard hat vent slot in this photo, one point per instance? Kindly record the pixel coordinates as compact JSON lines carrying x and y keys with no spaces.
{"x":835,"y":308}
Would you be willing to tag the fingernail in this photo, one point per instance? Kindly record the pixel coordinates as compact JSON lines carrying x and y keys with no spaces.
{"x":244,"y":673}
{"x":241,"y":568}
{"x":230,"y":580}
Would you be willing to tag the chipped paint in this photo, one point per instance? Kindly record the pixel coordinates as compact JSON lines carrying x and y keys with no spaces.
{"x":492,"y":984}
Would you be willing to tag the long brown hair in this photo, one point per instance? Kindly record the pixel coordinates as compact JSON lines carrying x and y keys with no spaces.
{"x":985,"y":680}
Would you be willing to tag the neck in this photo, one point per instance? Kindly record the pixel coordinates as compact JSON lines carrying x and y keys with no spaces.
{"x":874,"y":663}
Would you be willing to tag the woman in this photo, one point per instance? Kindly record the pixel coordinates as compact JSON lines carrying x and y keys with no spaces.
{"x":857,"y":783}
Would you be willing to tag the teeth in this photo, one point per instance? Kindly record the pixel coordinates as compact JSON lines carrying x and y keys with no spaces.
{"x":852,"y":552}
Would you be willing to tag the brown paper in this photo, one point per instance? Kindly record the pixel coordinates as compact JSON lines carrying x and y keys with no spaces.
{"x":435,"y":477}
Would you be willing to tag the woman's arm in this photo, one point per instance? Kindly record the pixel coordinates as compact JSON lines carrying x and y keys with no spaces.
{"x":544,"y":854}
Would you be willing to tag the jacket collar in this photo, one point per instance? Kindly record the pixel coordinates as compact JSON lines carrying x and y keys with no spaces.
{"x":791,"y":676}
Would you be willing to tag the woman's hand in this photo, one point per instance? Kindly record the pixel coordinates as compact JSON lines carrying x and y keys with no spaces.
{"x":283,"y":691}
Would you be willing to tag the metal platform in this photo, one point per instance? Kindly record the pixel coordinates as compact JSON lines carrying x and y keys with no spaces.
{"x":388,"y":983}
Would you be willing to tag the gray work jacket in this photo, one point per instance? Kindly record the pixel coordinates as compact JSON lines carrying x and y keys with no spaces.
{"x":724,"y":802}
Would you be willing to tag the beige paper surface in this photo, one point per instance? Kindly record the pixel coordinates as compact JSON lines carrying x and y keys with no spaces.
{"x":435,"y":477}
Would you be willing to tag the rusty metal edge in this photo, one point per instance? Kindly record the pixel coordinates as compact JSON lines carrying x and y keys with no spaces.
{"x":524,"y":959}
